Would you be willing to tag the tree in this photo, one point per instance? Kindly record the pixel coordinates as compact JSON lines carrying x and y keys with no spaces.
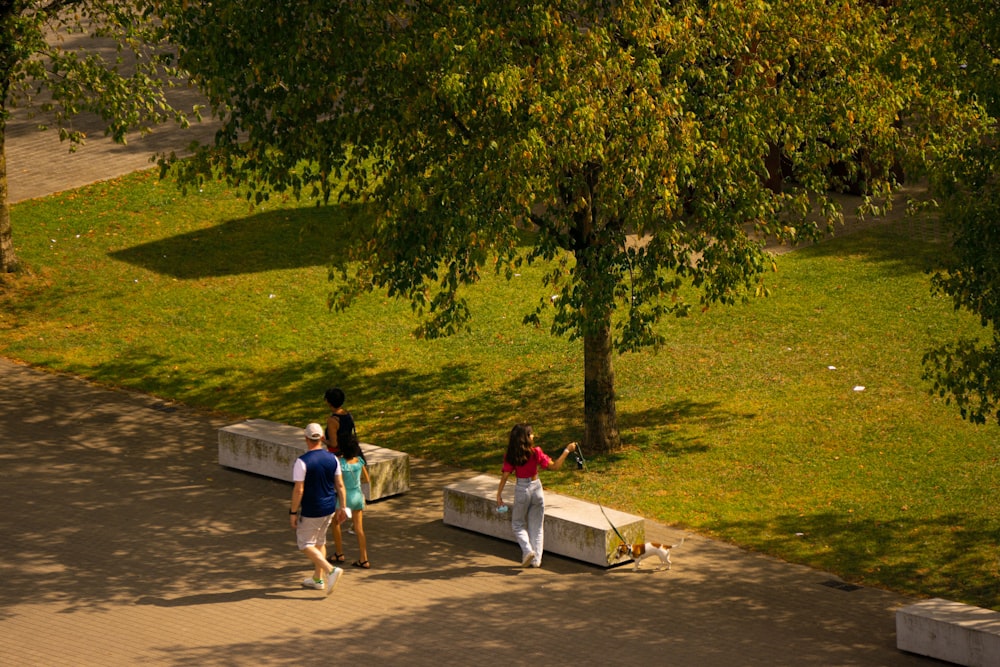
{"x":48,"y":69}
{"x":629,"y":140}
{"x":968,"y":370}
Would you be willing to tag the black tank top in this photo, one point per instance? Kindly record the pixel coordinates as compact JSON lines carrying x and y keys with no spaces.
{"x":345,"y":427}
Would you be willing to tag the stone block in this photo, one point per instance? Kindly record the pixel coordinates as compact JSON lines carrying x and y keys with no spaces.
{"x":269,"y":448}
{"x":573,"y":528}
{"x":950,"y":631}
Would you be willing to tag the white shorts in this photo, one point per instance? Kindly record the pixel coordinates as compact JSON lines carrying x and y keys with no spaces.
{"x":311,"y":531}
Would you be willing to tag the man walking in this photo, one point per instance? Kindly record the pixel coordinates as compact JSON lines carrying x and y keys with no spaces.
{"x":320,"y":497}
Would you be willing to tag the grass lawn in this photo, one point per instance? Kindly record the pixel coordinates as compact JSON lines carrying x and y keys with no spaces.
{"x":751,"y":425}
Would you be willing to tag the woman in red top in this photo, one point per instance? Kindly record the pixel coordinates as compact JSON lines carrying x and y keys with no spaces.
{"x":528,"y":515}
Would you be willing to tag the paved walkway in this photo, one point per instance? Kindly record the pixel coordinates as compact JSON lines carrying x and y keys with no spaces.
{"x":124,"y":542}
{"x":38,"y":164}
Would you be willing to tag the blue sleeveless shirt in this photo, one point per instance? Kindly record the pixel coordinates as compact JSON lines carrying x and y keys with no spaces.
{"x":319,"y":497}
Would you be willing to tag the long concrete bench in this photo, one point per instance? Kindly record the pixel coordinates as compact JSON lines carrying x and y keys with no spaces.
{"x":573,"y":528}
{"x":269,"y":448}
{"x":950,"y":631}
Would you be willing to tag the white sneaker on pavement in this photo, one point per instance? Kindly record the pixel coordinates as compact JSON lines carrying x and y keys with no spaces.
{"x":309,"y":582}
{"x":332,"y":579}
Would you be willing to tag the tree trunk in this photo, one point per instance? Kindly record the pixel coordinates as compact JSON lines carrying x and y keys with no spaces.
{"x":8,"y":260}
{"x":600,"y":415}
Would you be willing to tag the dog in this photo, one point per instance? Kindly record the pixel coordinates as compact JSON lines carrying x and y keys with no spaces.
{"x":640,"y":552}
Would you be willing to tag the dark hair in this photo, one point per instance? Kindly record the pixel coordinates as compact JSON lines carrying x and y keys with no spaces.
{"x":334,"y":396}
{"x":351,"y":449}
{"x":519,"y":447}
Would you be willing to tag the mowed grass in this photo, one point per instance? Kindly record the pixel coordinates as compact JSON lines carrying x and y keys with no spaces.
{"x":796,"y":425}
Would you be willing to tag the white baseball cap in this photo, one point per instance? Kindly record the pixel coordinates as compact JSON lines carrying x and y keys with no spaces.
{"x":314,"y":431}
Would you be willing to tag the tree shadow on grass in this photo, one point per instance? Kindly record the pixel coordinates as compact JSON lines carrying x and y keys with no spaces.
{"x":893,"y":552}
{"x":646,"y":427}
{"x":910,"y":245}
{"x":446,"y":414}
{"x":275,"y":240}
{"x":555,"y":411}
{"x":291,"y":393}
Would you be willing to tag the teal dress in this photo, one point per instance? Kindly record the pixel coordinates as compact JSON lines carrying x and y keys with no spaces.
{"x":352,"y":483}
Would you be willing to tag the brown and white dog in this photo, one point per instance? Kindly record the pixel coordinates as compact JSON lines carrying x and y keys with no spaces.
{"x":639,"y":552}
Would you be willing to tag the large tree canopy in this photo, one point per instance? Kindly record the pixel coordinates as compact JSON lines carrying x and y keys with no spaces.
{"x":968,"y":47}
{"x":50,"y":66}
{"x":637,"y":143}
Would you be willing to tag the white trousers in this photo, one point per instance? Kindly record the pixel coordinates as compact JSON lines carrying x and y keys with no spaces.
{"x":528,"y":518}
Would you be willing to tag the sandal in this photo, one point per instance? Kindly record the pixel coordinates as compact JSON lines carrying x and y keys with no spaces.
{"x":362,"y":564}
{"x":337,"y":558}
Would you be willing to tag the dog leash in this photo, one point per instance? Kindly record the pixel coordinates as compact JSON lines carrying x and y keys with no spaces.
{"x":582,"y":464}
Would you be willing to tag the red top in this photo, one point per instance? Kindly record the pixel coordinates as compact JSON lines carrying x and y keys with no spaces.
{"x":530,"y":467}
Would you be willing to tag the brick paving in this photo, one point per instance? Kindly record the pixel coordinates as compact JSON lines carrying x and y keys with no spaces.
{"x":38,"y":164}
{"x":124,"y":542}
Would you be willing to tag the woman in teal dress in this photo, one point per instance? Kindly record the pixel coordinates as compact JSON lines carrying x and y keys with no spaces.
{"x":355,"y":472}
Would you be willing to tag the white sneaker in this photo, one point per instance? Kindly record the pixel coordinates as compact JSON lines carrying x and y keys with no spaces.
{"x":309,"y":582}
{"x":528,"y":559}
{"x":332,"y":579}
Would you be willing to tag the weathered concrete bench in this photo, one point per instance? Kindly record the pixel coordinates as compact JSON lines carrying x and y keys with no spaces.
{"x":950,"y":631}
{"x":573,"y":528}
{"x":269,"y":448}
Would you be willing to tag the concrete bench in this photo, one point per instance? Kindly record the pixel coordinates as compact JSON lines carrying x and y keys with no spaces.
{"x":573,"y":528}
{"x":950,"y":631}
{"x":268,"y":448}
